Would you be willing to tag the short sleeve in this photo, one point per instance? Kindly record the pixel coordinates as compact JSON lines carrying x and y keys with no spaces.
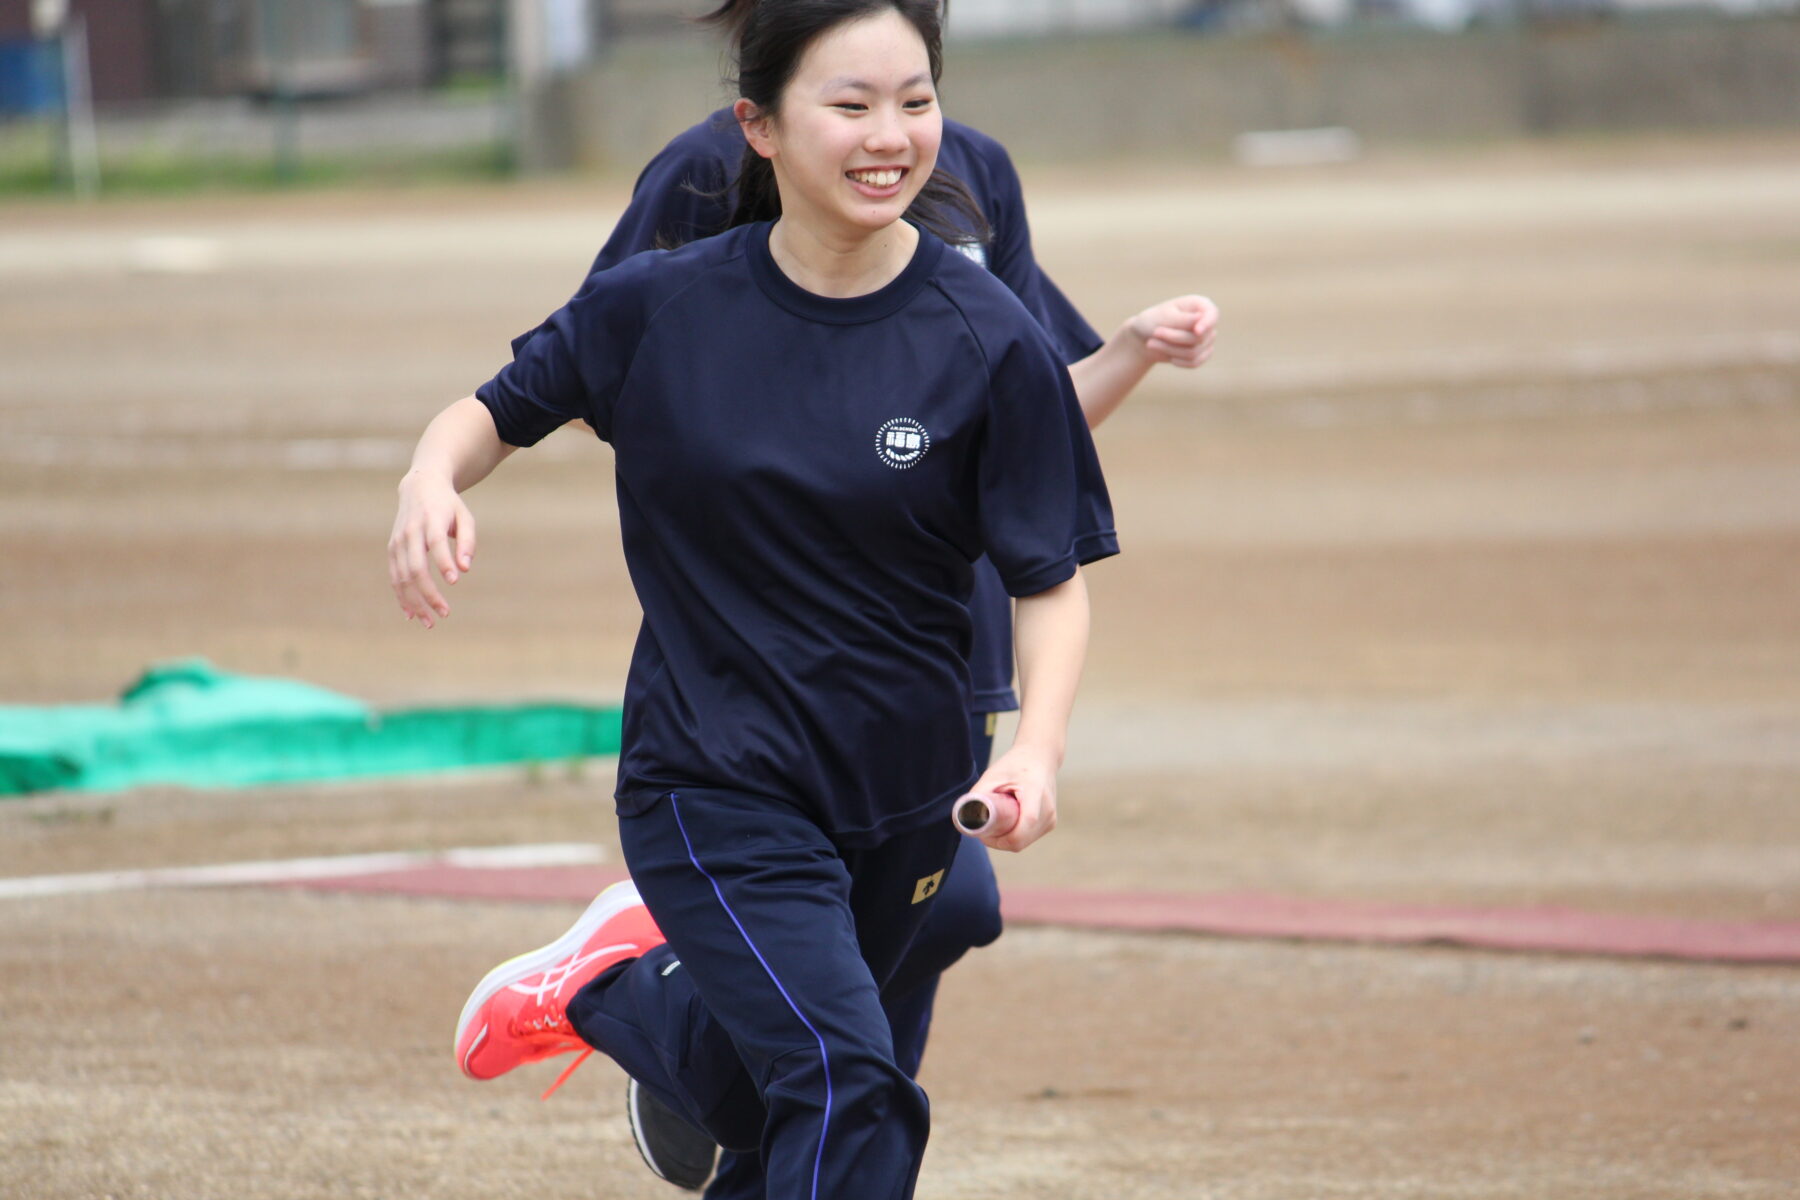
{"x":572,"y":365}
{"x":1043,"y":501}
{"x":1012,"y":262}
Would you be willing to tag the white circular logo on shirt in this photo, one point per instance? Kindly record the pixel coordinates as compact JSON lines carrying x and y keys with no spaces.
{"x":901,"y":442}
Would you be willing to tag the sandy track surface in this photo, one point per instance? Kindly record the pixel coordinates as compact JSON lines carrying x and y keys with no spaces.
{"x":1466,"y":574}
{"x":296,"y":1045}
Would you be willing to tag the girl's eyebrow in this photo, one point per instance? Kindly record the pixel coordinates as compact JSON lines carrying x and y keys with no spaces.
{"x":844,"y":81}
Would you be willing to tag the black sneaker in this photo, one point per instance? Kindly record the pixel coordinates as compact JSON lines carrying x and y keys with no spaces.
{"x":671,"y":1147}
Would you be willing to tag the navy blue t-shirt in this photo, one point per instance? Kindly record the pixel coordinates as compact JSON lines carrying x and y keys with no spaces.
{"x":682,"y":195}
{"x":804,"y":484}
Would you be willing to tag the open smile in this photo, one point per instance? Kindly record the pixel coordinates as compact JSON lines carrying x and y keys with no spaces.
{"x":877,"y":182}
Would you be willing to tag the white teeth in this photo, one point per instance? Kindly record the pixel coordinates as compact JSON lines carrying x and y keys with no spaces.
{"x":877,"y":178}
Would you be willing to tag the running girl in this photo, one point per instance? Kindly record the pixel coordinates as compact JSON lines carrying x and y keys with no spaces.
{"x":687,"y":192}
{"x":818,"y":425}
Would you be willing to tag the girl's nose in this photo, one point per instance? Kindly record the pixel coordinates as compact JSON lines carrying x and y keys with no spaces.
{"x":887,"y":134}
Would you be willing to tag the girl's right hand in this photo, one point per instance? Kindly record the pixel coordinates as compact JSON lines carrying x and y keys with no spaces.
{"x":431,"y":516}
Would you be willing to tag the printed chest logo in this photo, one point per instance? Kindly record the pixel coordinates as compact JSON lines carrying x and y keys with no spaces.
{"x":901,"y":442}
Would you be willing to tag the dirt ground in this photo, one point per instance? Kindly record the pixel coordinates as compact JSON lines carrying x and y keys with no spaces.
{"x":1469,"y":572}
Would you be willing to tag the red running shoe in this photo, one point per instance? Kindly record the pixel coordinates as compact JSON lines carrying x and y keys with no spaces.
{"x":518,"y":1013}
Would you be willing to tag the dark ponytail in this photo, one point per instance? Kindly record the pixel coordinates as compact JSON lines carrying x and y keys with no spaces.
{"x":767,"y":39}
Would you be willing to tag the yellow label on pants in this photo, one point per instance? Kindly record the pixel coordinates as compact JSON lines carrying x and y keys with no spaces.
{"x":928,"y":887}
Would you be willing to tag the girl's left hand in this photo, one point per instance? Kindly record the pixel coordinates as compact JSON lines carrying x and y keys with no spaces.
{"x":1029,"y":776}
{"x":1179,"y":332}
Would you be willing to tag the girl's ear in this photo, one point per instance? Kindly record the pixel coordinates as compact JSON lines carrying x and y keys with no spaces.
{"x":758,"y":129}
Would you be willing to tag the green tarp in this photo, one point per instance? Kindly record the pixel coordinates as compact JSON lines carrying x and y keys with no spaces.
{"x":191,"y":724}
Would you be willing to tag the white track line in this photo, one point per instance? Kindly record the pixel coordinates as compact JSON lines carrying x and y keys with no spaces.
{"x":551,"y":854}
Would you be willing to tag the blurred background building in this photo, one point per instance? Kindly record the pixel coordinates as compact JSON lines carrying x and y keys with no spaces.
{"x":601,"y":83}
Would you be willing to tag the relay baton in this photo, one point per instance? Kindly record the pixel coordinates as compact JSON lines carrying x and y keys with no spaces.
{"x":986,"y":814}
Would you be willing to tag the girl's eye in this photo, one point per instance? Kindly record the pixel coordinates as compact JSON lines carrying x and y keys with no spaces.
{"x":919,"y":104}
{"x":851,"y":106}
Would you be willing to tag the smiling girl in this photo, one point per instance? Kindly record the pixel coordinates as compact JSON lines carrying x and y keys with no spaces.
{"x":819,"y":423}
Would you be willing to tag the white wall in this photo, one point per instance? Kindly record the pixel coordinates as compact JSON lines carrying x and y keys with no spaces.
{"x":1002,"y":18}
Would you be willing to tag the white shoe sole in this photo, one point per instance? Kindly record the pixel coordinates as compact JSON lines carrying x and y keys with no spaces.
{"x":607,"y":905}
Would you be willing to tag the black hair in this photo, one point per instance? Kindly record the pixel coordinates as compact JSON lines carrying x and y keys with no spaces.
{"x":768,"y":38}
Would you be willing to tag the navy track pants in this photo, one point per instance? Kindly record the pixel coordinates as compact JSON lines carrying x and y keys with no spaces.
{"x":964,"y":914}
{"x":762,"y":1018}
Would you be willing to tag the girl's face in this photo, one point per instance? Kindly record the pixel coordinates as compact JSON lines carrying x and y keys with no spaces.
{"x":858,"y":129}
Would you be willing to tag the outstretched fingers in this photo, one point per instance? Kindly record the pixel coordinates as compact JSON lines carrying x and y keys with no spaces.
{"x":417,"y":591}
{"x":465,"y":536}
{"x":433,"y":539}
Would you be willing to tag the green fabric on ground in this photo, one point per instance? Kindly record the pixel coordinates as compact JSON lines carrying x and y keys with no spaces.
{"x":191,"y":724}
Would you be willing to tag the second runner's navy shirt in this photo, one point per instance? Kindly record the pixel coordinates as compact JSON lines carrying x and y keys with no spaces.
{"x":804,"y":484}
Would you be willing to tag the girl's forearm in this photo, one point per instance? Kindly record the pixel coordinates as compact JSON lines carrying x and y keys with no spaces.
{"x":461,"y":445}
{"x":1050,"y":638}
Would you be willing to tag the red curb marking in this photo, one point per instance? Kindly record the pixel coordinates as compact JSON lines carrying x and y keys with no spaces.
{"x":1230,"y":914}
{"x":1568,"y":930}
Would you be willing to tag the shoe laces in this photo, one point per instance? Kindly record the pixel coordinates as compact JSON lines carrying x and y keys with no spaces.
{"x":552,"y":1019}
{"x":567,"y":1071}
{"x":546,"y":1015}
{"x":552,"y":1013}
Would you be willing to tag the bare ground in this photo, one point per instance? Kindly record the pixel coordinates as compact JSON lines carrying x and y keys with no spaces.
{"x":1467,"y":573}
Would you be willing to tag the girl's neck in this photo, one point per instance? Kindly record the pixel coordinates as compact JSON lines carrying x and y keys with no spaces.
{"x":841,"y":267}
